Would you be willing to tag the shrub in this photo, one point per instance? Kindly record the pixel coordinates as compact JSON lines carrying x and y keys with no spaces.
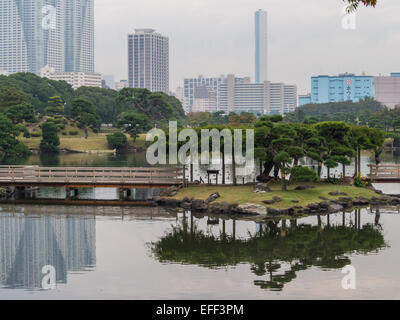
{"x":64,"y":133}
{"x":362,"y":182}
{"x":36,"y":134}
{"x":117,"y":140}
{"x":60,"y":126}
{"x":331,"y":180}
{"x":303,"y":174}
{"x":73,"y":132}
{"x":95,"y":130}
{"x":50,"y":140}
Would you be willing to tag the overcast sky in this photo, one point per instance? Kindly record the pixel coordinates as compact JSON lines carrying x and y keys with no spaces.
{"x":214,"y":37}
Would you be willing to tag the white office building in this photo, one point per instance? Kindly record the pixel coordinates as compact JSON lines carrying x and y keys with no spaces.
{"x":148,"y":60}
{"x":259,"y":98}
{"x":75,"y":79}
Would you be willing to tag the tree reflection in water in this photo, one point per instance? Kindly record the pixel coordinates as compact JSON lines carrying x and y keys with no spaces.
{"x":292,"y":247}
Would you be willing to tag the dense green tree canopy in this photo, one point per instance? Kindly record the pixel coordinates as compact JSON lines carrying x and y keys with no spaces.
{"x":50,"y":140}
{"x":157,"y":106}
{"x":103,"y":99}
{"x":85,"y":113}
{"x":11,"y":150}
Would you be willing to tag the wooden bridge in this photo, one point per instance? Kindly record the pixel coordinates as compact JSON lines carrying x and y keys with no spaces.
{"x":384,"y":173}
{"x":35,"y":176}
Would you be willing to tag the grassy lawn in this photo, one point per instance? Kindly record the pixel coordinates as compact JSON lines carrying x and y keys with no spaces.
{"x":244,"y":194}
{"x":95,"y":142}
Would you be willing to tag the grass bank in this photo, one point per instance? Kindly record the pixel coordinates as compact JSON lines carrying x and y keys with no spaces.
{"x":95,"y":142}
{"x":245,"y":194}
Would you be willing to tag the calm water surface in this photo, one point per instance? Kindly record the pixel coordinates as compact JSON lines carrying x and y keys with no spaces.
{"x":152,"y":253}
{"x":148,"y":253}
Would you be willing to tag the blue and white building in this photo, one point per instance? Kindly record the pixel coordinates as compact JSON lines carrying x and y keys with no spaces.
{"x":344,"y":87}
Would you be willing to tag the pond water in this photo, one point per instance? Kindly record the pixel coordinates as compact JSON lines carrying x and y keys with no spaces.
{"x":150,"y":253}
{"x":153,"y":253}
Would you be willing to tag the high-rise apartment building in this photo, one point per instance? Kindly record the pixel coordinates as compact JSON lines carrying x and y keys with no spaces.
{"x":258,"y":98}
{"x":38,"y":33}
{"x":212,"y":84}
{"x":261,"y":46}
{"x":148,"y":60}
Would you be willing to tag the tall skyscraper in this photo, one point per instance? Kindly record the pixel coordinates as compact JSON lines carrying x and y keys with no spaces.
{"x":79,"y":36}
{"x":38,"y":33}
{"x":261,"y":46}
{"x":148,"y":60}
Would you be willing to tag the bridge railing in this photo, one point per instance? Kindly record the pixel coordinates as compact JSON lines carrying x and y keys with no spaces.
{"x":92,"y":175}
{"x":384,"y":171}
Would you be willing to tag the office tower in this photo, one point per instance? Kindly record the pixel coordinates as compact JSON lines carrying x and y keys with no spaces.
{"x":79,"y":36}
{"x":148,"y":60}
{"x":39,"y":33}
{"x":345,"y":87}
{"x":261,"y":46}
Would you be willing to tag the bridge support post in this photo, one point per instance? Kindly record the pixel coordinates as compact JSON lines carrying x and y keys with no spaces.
{"x":121,"y":194}
{"x":72,"y":193}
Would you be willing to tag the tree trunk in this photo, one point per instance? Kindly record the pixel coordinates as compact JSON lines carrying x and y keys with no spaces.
{"x":356,"y":164}
{"x":359,"y":162}
{"x":234,"y":170}
{"x":223,"y":167}
{"x":319,"y":168}
{"x":191,"y":172}
{"x":344,"y":171}
{"x":283,"y":175}
{"x":329,"y":173}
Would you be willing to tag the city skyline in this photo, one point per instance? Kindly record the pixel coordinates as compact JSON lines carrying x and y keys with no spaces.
{"x":226,"y":44}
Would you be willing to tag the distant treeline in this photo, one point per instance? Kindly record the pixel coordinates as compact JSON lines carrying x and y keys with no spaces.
{"x":336,"y":111}
{"x":110,"y":104}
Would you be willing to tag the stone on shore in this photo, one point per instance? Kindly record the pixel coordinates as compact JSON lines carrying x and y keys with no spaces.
{"x":252,"y":208}
{"x":213,"y":197}
{"x":305,"y":187}
{"x":261,"y":188}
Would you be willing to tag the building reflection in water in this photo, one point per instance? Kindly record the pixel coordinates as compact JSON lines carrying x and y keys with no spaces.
{"x":28,"y":243}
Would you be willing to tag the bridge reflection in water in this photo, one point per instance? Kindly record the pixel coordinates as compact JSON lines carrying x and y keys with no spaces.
{"x":30,"y":242}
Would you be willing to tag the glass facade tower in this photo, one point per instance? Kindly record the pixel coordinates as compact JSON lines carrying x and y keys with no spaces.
{"x":54,"y":33}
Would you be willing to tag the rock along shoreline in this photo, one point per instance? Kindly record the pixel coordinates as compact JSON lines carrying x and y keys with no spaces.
{"x":326,"y":206}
